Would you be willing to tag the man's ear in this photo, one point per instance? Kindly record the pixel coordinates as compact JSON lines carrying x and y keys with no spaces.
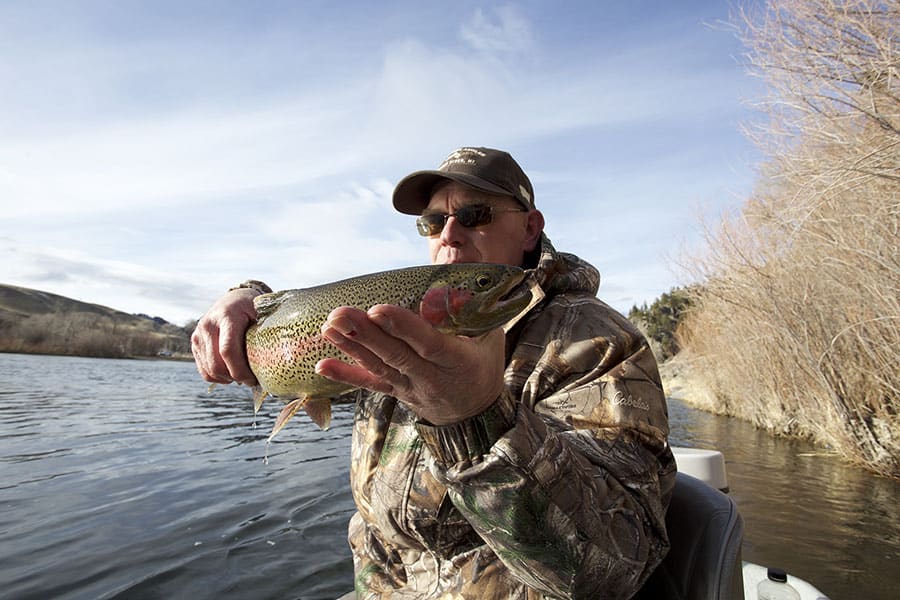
{"x":533,"y":229}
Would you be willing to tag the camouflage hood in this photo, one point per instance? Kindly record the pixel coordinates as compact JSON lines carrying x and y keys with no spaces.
{"x":558,"y":272}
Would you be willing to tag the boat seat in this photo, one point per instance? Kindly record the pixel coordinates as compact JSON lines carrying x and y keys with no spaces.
{"x":705,"y":533}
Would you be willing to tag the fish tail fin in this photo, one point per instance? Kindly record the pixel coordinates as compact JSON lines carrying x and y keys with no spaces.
{"x":319,"y":410}
{"x":289,"y":410}
{"x":211,"y":387}
{"x":259,"y":396}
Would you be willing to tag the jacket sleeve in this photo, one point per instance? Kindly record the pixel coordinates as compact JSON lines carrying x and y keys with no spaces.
{"x":568,"y":475}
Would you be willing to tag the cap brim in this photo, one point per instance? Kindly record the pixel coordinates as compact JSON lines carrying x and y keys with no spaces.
{"x":413,"y":193}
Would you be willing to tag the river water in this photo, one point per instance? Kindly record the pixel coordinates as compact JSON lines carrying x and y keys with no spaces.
{"x":127,"y":479}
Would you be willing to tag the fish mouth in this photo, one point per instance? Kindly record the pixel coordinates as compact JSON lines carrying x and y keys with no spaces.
{"x":503,"y":304}
{"x":518,"y":292}
{"x":523,"y":295}
{"x":512,"y":291}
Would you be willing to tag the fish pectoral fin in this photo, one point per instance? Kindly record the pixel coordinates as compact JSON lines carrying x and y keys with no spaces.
{"x":259,"y":396}
{"x":319,"y":410}
{"x":289,"y":410}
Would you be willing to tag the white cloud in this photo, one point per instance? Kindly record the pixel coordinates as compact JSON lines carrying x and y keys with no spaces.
{"x":123,"y":285}
{"x":352,"y":232}
{"x":167,"y":159}
{"x":509,"y":31}
{"x":156,"y":168}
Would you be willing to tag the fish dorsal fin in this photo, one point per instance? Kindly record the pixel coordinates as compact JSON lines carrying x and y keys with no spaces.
{"x":266,"y":304}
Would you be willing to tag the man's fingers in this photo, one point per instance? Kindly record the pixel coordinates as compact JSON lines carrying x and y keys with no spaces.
{"x":443,"y":378}
{"x":217,"y":370}
{"x":203,"y":344}
{"x":384,"y":357}
{"x":417,"y":335}
{"x":428,"y":344}
{"x":352,"y":375}
{"x":384,"y":363}
{"x":218,"y":340}
{"x":231,"y":350}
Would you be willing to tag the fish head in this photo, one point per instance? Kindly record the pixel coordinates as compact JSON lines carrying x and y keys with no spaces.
{"x":470,"y":299}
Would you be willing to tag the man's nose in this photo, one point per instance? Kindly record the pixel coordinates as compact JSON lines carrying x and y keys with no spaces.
{"x":453,"y":233}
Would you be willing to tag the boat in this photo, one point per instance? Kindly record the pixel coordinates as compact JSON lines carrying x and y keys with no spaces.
{"x":706,"y":532}
{"x":704,"y":522}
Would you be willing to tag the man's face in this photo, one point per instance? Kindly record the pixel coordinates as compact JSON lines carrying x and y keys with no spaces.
{"x":505,"y":240}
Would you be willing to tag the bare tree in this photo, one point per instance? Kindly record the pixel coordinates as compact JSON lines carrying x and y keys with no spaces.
{"x":798,"y":324}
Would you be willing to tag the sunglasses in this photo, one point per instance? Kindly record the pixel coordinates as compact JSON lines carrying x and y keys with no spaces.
{"x":474,"y":215}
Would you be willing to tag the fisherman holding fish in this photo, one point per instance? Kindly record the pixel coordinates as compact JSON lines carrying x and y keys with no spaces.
{"x":530,"y":461}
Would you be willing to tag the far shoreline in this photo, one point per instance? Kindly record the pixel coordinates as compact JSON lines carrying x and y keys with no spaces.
{"x":177,"y":357}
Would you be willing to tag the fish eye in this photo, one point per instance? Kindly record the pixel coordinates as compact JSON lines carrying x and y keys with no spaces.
{"x":483,"y":281}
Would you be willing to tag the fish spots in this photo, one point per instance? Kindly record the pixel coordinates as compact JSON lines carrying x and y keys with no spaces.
{"x":285,"y":352}
{"x":286,"y":342}
{"x":287,"y":365}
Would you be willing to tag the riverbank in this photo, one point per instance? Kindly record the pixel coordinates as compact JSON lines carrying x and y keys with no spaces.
{"x":38,"y":322}
{"x":174,"y":356}
{"x":682,"y":382}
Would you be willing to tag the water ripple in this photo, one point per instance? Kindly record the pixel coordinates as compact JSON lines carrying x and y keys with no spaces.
{"x":127,"y":479}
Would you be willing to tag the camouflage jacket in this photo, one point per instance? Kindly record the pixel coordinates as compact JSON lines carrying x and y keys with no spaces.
{"x":559,"y":490}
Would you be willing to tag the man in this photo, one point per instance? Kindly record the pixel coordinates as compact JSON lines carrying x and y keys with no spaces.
{"x":530,"y":465}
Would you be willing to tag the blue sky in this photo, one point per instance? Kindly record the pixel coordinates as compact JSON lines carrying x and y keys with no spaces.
{"x":152,"y":154}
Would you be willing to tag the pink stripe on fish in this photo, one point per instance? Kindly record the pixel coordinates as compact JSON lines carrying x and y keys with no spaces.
{"x":287,"y":350}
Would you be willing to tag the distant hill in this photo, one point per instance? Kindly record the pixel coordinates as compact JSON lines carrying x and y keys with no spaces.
{"x":32,"y":321}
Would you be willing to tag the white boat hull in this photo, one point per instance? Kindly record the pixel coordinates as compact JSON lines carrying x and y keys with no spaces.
{"x":754,"y":574}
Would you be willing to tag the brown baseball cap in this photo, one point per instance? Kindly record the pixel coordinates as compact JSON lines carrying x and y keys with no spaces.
{"x":486,"y":169}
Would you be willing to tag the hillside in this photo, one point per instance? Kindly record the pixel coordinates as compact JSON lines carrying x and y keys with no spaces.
{"x":33,"y":321}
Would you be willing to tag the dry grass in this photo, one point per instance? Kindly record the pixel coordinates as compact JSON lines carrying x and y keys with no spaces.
{"x":797,"y":327}
{"x":88,"y":334}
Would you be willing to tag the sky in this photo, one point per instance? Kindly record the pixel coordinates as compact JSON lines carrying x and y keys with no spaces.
{"x":153,"y":154}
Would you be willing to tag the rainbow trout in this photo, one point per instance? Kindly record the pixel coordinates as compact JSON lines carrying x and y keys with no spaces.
{"x":285,"y":343}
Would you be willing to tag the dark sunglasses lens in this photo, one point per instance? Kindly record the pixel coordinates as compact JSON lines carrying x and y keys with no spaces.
{"x":467,"y":216}
{"x":475,"y":215}
{"x":429,"y":225}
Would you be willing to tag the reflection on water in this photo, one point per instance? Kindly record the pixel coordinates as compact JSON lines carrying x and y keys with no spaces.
{"x":804,"y":509}
{"x":125,"y":479}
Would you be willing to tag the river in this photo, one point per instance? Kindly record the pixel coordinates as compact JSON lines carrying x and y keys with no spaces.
{"x":127,"y":479}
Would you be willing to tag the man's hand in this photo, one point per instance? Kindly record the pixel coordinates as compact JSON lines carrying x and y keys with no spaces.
{"x":218,"y":341}
{"x":442,"y":378}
